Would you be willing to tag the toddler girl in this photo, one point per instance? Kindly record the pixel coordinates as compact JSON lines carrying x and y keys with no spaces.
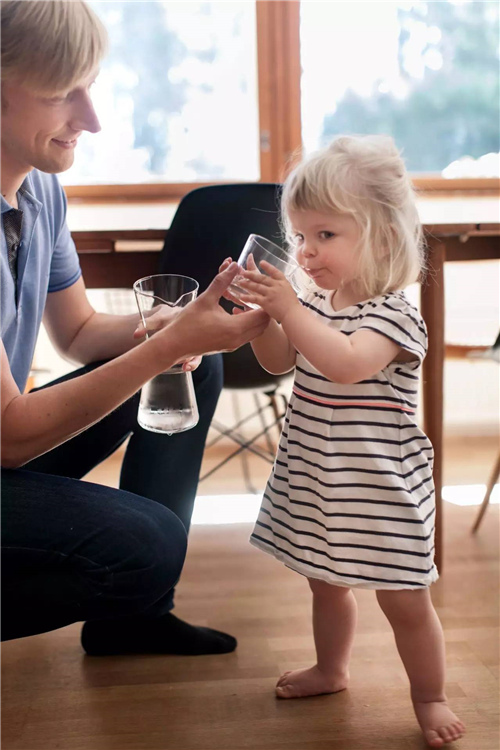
{"x":350,"y":501}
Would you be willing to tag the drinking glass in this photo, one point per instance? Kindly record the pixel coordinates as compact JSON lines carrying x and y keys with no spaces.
{"x":262,"y":249}
{"x":168,"y":401}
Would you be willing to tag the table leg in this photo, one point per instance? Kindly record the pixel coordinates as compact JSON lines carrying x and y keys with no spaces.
{"x":432,"y":305}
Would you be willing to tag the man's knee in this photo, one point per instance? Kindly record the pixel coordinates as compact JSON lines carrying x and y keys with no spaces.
{"x":153,"y":553}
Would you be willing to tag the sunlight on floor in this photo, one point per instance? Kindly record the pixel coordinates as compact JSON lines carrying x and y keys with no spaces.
{"x":214,"y":509}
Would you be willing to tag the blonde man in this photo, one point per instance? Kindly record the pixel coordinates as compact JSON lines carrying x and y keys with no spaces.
{"x":72,"y":550}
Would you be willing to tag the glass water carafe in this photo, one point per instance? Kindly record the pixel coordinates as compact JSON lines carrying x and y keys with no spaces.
{"x":168,"y":401}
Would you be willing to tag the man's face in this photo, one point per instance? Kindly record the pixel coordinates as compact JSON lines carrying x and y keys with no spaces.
{"x":42,"y":130}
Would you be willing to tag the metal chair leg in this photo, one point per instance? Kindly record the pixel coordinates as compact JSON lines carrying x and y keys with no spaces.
{"x":278,"y":415}
{"x":243,"y":455}
{"x":486,"y":499}
{"x":236,"y":434}
{"x":261,"y":412}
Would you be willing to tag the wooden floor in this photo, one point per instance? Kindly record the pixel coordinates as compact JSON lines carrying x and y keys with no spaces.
{"x":56,"y":698}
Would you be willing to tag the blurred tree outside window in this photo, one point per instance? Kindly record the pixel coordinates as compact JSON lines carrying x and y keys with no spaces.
{"x":426,"y":73}
{"x":176,"y":95}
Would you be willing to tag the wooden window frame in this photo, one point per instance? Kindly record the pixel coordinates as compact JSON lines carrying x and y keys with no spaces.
{"x":280,"y":136}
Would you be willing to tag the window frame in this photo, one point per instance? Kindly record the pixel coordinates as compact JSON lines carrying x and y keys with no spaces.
{"x":280,"y":135}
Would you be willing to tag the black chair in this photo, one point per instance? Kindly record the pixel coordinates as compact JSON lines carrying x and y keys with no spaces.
{"x":211,"y":224}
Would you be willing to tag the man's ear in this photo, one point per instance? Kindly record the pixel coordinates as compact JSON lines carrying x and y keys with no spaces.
{"x":3,"y":100}
{"x":5,"y":95}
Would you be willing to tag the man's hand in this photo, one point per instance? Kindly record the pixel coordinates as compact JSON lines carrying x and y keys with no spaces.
{"x":161,"y":317}
{"x":204,"y":327}
{"x":271,"y":291}
{"x":156,"y":319}
{"x":227,"y":294}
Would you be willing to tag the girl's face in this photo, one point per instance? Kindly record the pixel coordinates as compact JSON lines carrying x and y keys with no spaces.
{"x":327,"y":247}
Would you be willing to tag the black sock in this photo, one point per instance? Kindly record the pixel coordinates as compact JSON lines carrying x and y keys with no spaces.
{"x":165,"y":634}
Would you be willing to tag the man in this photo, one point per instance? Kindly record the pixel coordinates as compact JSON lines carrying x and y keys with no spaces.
{"x":72,"y":550}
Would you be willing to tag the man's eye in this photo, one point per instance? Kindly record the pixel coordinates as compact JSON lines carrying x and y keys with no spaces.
{"x":57,"y":99}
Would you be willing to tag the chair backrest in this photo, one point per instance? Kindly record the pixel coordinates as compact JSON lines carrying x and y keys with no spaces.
{"x":211,"y":224}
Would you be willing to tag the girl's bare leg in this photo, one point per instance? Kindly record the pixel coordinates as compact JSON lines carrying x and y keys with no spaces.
{"x":334,"y":622}
{"x":420,"y":642}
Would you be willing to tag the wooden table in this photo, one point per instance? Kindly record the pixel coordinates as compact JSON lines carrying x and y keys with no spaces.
{"x":456,"y":229}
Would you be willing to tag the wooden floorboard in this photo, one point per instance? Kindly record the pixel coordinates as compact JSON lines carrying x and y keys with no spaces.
{"x":55,"y":697}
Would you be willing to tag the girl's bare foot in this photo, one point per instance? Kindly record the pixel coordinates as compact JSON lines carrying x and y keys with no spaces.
{"x":438,"y":722}
{"x":304,"y":682}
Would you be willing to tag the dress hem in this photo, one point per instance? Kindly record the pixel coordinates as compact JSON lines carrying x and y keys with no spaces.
{"x":339,"y":581}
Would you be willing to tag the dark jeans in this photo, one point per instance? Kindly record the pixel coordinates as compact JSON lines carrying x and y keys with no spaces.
{"x":72,"y":550}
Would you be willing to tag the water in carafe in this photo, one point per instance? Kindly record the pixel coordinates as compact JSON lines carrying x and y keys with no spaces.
{"x":168,"y":403}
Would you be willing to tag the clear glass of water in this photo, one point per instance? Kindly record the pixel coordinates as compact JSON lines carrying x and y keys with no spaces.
{"x":168,"y":401}
{"x":262,"y":249}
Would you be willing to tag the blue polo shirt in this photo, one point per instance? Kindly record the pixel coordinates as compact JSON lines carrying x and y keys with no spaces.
{"x":47,"y":262}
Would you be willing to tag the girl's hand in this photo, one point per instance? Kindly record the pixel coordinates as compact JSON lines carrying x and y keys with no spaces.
{"x":271,"y":290}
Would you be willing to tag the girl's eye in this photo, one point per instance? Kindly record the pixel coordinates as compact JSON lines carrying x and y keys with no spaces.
{"x":326,"y":235}
{"x":298,"y":237}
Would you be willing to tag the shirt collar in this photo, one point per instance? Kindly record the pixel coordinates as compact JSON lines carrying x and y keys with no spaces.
{"x":25,"y":192}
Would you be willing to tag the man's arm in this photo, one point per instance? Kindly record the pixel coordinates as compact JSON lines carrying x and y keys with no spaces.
{"x":83,"y":335}
{"x":34,"y":423}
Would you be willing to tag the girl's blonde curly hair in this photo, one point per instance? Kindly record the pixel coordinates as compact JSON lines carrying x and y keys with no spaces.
{"x":365,"y":177}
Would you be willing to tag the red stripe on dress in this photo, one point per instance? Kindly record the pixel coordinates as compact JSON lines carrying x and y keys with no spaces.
{"x":351,"y":403}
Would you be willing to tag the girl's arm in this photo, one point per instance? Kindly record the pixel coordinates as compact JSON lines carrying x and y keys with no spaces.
{"x":274,"y":350}
{"x":340,"y":358}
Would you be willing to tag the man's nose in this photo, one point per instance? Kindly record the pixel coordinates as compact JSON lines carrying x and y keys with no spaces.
{"x":85,"y":117}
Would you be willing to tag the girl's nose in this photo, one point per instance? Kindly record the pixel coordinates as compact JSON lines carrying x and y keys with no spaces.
{"x":308,"y":249}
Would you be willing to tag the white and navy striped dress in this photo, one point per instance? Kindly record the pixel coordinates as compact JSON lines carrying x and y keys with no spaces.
{"x":351,"y":498}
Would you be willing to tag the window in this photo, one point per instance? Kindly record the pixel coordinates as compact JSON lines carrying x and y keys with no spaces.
{"x":426,"y":73}
{"x":203,"y":92}
{"x":176,"y":96}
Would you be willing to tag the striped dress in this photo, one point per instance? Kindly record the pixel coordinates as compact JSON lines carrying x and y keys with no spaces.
{"x":350,"y":499}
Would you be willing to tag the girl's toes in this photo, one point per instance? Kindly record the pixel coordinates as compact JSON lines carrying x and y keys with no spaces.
{"x":434,"y":739}
{"x":282,"y":679}
{"x":446,"y":734}
{"x":458,"y":730}
{"x":454,"y":731}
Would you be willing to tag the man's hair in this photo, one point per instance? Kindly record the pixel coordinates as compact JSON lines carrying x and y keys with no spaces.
{"x":49,"y":45}
{"x":365,"y":177}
